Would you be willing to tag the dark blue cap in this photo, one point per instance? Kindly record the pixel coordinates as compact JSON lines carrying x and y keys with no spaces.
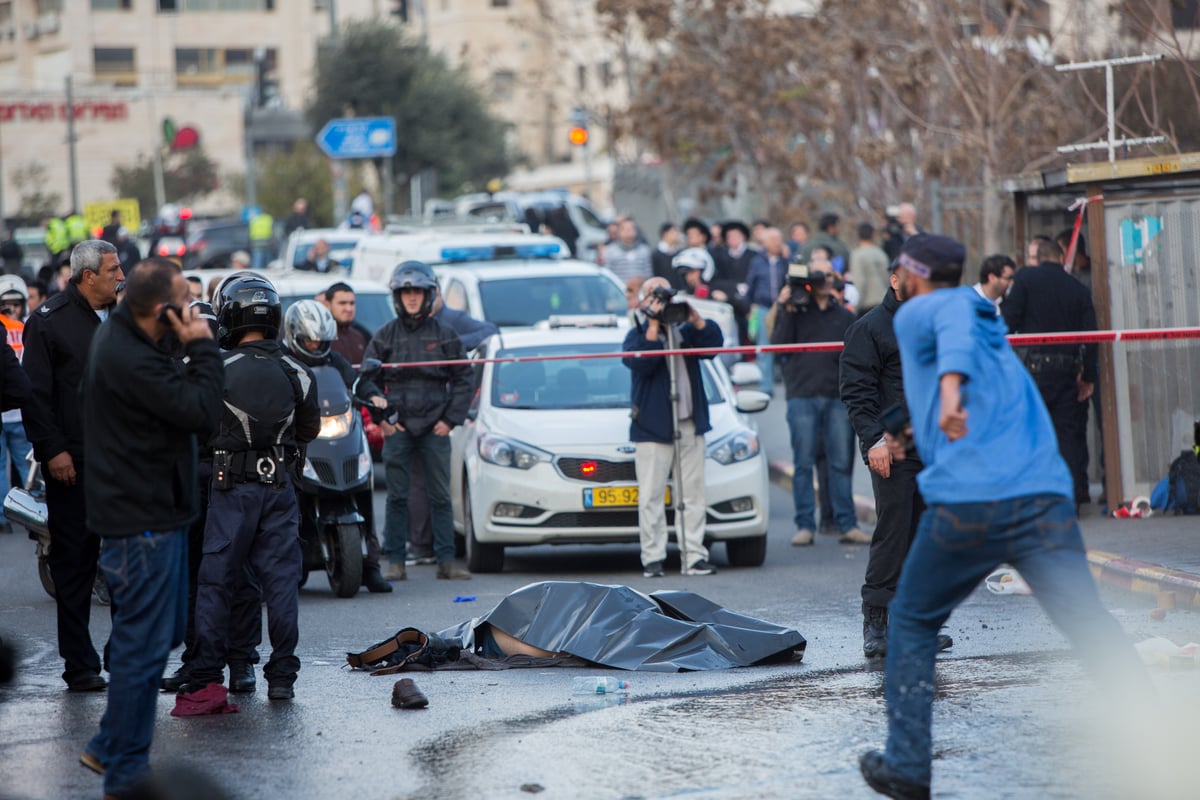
{"x":934,"y":257}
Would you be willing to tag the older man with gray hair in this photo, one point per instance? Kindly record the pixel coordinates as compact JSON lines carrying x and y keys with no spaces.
{"x":57,"y":339}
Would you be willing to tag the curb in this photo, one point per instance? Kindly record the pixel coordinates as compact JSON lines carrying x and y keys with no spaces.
{"x":1112,"y":569}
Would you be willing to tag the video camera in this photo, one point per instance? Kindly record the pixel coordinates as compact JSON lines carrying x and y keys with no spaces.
{"x":803,"y":283}
{"x":673,"y":311}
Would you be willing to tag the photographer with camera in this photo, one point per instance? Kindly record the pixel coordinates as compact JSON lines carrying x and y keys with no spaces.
{"x":669,"y":413}
{"x":805,"y":313}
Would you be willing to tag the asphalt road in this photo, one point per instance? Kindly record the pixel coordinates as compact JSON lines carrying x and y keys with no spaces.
{"x":1015,"y":717}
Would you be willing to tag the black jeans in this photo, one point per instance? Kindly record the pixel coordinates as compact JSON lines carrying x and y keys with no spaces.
{"x":1059,"y":391}
{"x":74,"y":556}
{"x":898,"y":508}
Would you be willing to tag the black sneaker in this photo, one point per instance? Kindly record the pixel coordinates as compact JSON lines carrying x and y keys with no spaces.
{"x":875,"y":621}
{"x":880,"y":777}
{"x":944,"y":642}
{"x":653,"y":570}
{"x":241,"y":677}
{"x":280,"y":692}
{"x":701,"y":567}
{"x":173,"y":682}
{"x":374,"y":581}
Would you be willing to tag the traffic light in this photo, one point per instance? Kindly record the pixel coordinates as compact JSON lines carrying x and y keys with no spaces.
{"x":578,"y":135}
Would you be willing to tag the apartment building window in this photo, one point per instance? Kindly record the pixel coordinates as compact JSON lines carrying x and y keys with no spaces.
{"x":581,"y":76}
{"x":213,"y":66}
{"x":112,"y":5}
{"x":6,"y":12}
{"x":499,"y":3}
{"x":604,"y":68}
{"x":48,"y":7}
{"x":115,"y":65}
{"x":504,"y":81}
{"x":215,"y":5}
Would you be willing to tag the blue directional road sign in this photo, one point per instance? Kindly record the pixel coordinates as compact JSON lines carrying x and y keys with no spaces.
{"x":358,"y":137}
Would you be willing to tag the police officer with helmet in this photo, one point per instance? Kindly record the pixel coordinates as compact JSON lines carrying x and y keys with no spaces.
{"x":308,"y":333}
{"x":270,"y":411}
{"x":426,"y":403}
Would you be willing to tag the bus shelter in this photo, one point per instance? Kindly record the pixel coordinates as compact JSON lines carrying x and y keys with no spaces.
{"x":1141,"y":218}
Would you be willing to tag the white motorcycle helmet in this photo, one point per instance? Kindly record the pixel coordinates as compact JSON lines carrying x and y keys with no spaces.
{"x":695,"y":258}
{"x":307,"y":322}
{"x":12,"y":288}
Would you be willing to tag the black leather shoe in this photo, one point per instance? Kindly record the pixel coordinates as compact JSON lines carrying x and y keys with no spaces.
{"x":373,"y":580}
{"x":241,"y":677}
{"x":405,"y":694}
{"x":880,"y":777}
{"x":875,"y":621}
{"x":176,"y":680}
{"x":280,"y":692}
{"x":90,"y":682}
{"x":944,"y":642}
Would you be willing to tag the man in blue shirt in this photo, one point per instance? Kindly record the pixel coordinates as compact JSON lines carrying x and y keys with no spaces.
{"x":997,"y":491}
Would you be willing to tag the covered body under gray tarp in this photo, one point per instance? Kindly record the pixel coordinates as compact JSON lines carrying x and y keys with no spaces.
{"x":619,"y":627}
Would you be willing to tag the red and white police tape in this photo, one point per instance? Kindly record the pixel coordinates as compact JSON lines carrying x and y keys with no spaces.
{"x":1017,"y":340}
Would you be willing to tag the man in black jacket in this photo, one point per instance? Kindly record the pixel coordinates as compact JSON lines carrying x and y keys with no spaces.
{"x":1044,"y":299}
{"x":426,"y":403}
{"x":57,"y":338}
{"x":142,"y":411}
{"x":871,"y":384}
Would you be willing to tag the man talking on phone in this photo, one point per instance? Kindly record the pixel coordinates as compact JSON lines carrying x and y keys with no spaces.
{"x":142,"y":412}
{"x":652,"y":429}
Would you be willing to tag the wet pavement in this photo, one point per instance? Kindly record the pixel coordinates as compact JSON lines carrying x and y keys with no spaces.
{"x":1010,"y":721}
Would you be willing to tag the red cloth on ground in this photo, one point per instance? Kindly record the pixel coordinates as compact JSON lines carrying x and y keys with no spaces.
{"x":212,"y":699}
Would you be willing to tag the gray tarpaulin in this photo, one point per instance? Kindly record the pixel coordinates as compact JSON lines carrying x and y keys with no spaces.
{"x":619,"y":627}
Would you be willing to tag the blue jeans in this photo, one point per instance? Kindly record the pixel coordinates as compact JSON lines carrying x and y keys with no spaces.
{"x":766,"y":361}
{"x":806,"y":416}
{"x":399,"y":450}
{"x":12,"y":440}
{"x":957,"y":546}
{"x":147,"y":575}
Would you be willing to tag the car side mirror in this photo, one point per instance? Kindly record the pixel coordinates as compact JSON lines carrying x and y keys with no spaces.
{"x":750,"y":401}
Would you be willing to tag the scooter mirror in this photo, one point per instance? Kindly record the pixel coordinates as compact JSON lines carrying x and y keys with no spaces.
{"x":370,"y":367}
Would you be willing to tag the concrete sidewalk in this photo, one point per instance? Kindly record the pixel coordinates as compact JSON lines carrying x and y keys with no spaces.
{"x":1159,"y":554}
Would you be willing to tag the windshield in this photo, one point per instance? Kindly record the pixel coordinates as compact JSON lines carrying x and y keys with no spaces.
{"x":340,"y":250}
{"x":569,"y":382}
{"x":512,"y":302}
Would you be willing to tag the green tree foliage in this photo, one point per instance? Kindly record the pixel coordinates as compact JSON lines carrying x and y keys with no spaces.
{"x":187,"y":177}
{"x":303,"y":172}
{"x":442,"y":121}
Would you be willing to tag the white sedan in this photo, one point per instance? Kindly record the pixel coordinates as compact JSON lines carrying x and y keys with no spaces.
{"x":546,"y":459}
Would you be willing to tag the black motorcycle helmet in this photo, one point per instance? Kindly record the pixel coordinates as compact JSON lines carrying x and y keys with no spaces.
{"x":246,"y":301}
{"x":413,"y":275}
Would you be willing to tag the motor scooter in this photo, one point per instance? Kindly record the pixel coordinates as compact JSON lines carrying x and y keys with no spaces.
{"x":335,"y":488}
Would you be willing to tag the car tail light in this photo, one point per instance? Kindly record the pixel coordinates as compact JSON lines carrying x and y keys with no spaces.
{"x":179,"y":251}
{"x":162,"y":250}
{"x":185,"y":213}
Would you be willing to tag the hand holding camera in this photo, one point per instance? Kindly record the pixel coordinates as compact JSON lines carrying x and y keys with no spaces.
{"x":662,"y":307}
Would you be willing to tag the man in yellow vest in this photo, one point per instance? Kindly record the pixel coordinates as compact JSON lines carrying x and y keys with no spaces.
{"x":77,"y":229}
{"x":57,"y":241}
{"x":262,"y":228}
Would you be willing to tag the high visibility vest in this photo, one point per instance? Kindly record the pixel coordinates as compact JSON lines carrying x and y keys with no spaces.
{"x":77,"y":229}
{"x":56,"y":236}
{"x":261,"y":227}
{"x":14,"y":329}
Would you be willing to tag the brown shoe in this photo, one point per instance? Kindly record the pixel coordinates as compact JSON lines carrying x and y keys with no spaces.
{"x":453,"y":571}
{"x":395,"y":572}
{"x":405,"y":694}
{"x":855,"y":536}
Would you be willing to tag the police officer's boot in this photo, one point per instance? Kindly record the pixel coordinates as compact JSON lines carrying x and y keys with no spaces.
{"x":241,"y":677}
{"x":875,"y":621}
{"x":373,"y":579}
{"x":175,"y":681}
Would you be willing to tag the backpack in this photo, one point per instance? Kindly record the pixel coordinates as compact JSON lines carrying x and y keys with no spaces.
{"x":1184,"y":478}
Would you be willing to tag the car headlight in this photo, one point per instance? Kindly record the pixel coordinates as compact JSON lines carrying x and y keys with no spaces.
{"x":738,"y":446}
{"x":509,"y":452}
{"x":337,"y":426}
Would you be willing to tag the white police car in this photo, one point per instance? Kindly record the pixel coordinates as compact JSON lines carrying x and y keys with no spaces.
{"x":546,"y":456}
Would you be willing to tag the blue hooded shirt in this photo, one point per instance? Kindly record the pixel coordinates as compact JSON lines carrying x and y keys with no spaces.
{"x":1010,"y":449}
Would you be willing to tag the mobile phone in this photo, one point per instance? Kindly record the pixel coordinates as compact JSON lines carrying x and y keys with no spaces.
{"x":164,"y":318}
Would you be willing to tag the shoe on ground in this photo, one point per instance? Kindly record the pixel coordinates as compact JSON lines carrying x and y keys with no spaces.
{"x":944,"y":642}
{"x":420,"y":558}
{"x":803,"y":537}
{"x":100,"y":591}
{"x":280,"y":692}
{"x":701,"y":567}
{"x":452,"y":571}
{"x":653,"y":570}
{"x":395,"y":572}
{"x":91,"y":762}
{"x":241,"y":677}
{"x":405,"y":694}
{"x":176,"y":680}
{"x":880,"y":777}
{"x":855,"y":536}
{"x":91,"y":682}
{"x":374,"y":581}
{"x":875,"y":622}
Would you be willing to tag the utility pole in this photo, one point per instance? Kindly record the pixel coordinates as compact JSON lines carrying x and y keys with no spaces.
{"x":160,"y":190}
{"x":1111,"y":143}
{"x":71,"y":147}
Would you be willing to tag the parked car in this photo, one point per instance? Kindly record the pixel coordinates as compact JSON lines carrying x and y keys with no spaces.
{"x":545,"y":456}
{"x":341,"y":247}
{"x":210,"y":243}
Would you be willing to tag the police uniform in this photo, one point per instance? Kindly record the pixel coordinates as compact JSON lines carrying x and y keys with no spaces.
{"x":270,"y":410}
{"x":1047,"y":299}
{"x":57,"y":339}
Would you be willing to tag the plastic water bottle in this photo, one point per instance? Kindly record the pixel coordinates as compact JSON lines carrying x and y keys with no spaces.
{"x":598,"y":685}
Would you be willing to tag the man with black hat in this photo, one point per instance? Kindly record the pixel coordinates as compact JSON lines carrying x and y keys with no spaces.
{"x":995,"y":495}
{"x":872,"y":384}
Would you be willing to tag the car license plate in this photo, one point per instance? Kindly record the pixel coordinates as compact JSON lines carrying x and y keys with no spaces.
{"x":615,"y":497}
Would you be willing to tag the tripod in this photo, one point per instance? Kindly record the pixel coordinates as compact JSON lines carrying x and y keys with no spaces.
{"x":676,"y":463}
